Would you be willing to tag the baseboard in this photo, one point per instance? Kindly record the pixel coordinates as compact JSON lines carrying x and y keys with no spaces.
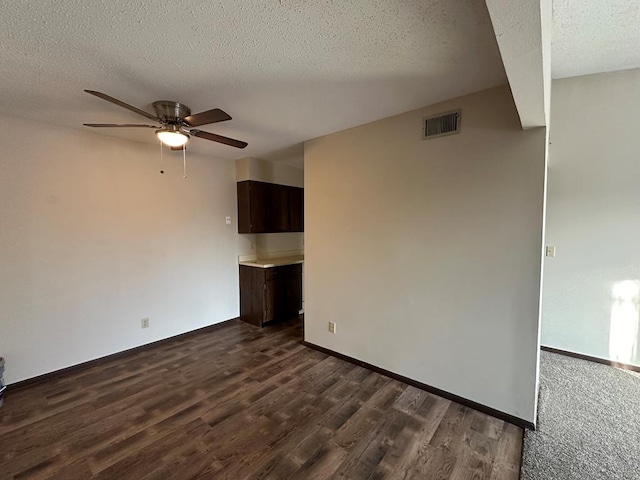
{"x":12,"y":387}
{"x":519,"y":422}
{"x":589,"y":358}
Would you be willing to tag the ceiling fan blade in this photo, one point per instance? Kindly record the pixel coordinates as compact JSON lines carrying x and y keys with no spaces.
{"x":210,"y":116}
{"x":111,"y":125}
{"x":122,"y":104}
{"x":218,"y":138}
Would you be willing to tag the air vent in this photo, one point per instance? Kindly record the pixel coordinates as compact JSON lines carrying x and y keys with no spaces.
{"x":442,"y":125}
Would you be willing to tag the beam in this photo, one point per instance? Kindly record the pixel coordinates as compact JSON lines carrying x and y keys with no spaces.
{"x":523,"y":33}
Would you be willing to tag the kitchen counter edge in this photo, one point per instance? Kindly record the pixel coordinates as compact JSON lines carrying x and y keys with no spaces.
{"x":273,"y":262}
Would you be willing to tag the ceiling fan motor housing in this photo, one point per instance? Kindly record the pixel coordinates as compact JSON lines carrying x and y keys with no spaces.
{"x":171,"y":112}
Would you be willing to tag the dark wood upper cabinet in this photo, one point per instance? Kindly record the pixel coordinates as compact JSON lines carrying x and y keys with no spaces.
{"x":269,"y":208}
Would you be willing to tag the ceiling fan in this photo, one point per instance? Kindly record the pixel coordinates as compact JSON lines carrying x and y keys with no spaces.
{"x":176,"y":122}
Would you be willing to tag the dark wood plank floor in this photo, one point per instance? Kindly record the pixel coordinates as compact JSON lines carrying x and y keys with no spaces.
{"x":241,"y":402}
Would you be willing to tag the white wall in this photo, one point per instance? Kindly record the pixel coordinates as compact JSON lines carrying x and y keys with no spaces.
{"x":282,"y":174}
{"x":593,"y":215}
{"x":427,"y":253}
{"x":94,"y":238}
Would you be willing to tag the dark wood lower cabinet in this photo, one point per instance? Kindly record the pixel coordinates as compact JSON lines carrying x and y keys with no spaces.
{"x":268,"y":294}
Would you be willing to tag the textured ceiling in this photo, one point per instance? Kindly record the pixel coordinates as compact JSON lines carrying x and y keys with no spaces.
{"x":594,"y":36}
{"x":286,"y":71}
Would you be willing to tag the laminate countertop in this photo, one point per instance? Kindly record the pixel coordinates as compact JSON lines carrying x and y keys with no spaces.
{"x":274,"y":262}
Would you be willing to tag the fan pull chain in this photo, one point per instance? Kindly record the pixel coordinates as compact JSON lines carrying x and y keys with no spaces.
{"x":184,"y":161}
{"x":161,"y":163}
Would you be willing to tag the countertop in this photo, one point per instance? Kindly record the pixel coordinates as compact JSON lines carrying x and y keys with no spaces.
{"x":274,"y":262}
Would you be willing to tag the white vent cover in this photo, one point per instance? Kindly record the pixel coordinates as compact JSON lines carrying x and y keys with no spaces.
{"x":442,"y":124}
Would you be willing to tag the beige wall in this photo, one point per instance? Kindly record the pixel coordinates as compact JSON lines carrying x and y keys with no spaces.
{"x":593,"y":217}
{"x":427,"y":254}
{"x":267,"y":171}
{"x":94,"y":239}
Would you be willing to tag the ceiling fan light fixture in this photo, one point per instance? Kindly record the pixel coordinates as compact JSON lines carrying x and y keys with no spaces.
{"x":172,"y":138}
{"x":177,"y":123}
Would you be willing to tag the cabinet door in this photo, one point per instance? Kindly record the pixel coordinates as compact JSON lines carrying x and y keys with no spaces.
{"x":252,"y":286}
{"x":244,"y":207}
{"x":289,"y":285}
{"x":296,"y":209}
{"x":260,"y":198}
{"x":271,"y":300}
{"x":280,"y":208}
{"x":293,"y":289}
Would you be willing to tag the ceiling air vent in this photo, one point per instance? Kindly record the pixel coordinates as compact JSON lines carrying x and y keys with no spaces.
{"x":442,"y":124}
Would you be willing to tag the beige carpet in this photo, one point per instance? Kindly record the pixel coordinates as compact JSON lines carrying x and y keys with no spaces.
{"x":588,"y":423}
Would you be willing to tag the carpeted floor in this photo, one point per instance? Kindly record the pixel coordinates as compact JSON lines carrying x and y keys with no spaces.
{"x":588,"y":423}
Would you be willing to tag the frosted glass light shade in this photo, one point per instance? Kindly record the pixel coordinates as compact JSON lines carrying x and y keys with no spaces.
{"x":173,"y":139}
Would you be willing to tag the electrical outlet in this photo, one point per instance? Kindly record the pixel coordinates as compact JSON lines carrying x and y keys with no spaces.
{"x":332,"y":327}
{"x":144,"y":323}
